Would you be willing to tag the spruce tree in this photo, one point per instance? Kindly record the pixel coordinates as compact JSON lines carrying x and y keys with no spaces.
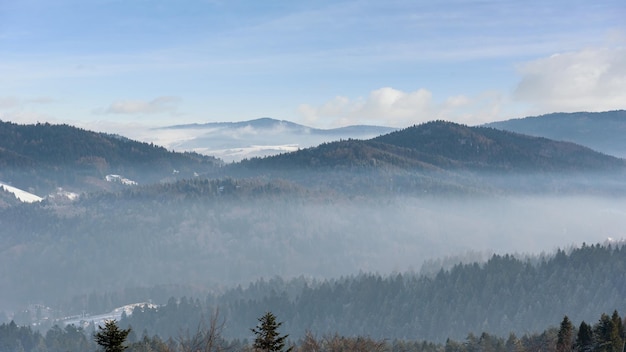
{"x":267,"y":336}
{"x":111,"y":337}
{"x":565,"y":336}
{"x":584,"y":339}
{"x":617,"y":333}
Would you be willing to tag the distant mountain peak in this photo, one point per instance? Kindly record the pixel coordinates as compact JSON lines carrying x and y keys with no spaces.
{"x":262,"y":122}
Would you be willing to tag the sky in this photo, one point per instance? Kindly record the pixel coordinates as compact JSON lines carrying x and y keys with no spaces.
{"x":113,"y":65}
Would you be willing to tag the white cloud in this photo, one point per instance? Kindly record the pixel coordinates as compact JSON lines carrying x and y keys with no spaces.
{"x":587,"y":80}
{"x":392,"y":107}
{"x":386,"y":106}
{"x":158,"y":105}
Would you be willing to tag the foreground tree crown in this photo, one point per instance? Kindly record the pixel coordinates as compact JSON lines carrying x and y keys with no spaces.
{"x":111,"y":337}
{"x":267,"y":336}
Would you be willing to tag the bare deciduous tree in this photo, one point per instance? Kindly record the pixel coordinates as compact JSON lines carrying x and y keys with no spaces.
{"x":207,"y":338}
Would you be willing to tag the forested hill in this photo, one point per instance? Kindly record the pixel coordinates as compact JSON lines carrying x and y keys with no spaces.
{"x":42,"y":157}
{"x":444,"y":157}
{"x":433,"y":157}
{"x":503,"y":295}
{"x":449,"y":146}
{"x":602,"y":131}
{"x":491,"y":149}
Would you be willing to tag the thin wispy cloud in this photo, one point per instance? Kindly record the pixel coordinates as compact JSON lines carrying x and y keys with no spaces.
{"x":8,"y":102}
{"x":14,"y":102}
{"x":164,"y":104}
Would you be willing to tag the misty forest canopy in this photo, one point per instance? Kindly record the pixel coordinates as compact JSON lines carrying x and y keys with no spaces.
{"x":186,"y":316}
{"x":433,"y":157}
{"x":502,"y":295}
{"x":151,"y":224}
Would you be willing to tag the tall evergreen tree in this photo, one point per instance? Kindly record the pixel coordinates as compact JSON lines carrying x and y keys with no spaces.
{"x":111,"y":337}
{"x":617,"y":333}
{"x":602,"y":333}
{"x":584,"y":339}
{"x":267,"y":336}
{"x":565,"y":336}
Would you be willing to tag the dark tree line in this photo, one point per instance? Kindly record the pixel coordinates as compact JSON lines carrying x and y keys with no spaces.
{"x":501,"y":295}
{"x":606,"y":335}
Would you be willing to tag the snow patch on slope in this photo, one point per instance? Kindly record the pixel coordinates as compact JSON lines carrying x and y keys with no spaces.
{"x":120,"y":179}
{"x":116,"y":314}
{"x":22,"y":195}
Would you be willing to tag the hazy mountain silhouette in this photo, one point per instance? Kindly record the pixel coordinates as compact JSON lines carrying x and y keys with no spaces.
{"x":449,"y":146}
{"x":601,"y":131}
{"x":233,"y":141}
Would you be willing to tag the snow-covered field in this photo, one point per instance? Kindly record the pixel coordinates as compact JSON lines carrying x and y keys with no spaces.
{"x":115,"y":314}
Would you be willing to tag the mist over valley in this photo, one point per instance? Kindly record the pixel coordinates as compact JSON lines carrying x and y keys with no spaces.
{"x":123,"y":222}
{"x":312,"y":176}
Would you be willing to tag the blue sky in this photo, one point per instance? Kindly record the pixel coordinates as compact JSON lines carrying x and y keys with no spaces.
{"x":111,"y":65}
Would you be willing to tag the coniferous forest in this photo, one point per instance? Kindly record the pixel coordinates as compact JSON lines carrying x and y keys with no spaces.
{"x":503,"y":304}
{"x":607,"y":334}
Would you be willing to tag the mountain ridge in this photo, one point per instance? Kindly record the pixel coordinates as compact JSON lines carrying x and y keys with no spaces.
{"x":601,"y":131}
{"x":45,"y":157}
{"x":268,"y":123}
{"x":235,"y":141}
{"x":436,"y":155}
{"x":448,"y":145}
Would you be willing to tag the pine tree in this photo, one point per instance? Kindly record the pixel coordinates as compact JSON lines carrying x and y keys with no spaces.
{"x":267,"y":336}
{"x":584,"y":339}
{"x":110,"y":337}
{"x":617,"y":333}
{"x":565,"y":336}
{"x":602,"y":333}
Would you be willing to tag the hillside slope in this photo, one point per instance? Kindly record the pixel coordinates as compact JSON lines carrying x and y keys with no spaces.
{"x":447,"y":145}
{"x":444,"y":157}
{"x":43,"y":157}
{"x":490,"y":149}
{"x":601,"y":131}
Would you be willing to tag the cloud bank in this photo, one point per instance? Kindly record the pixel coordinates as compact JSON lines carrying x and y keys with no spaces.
{"x":392,"y":107}
{"x":587,"y":80}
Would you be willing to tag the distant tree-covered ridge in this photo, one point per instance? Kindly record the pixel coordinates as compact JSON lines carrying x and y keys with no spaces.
{"x":444,"y":157}
{"x":503,"y":295}
{"x":434,"y":157}
{"x":45,"y":156}
{"x":447,"y":145}
{"x":601,"y":131}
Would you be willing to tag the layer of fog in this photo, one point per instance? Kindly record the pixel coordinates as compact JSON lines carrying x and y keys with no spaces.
{"x":227,"y":243}
{"x":400,"y":235}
